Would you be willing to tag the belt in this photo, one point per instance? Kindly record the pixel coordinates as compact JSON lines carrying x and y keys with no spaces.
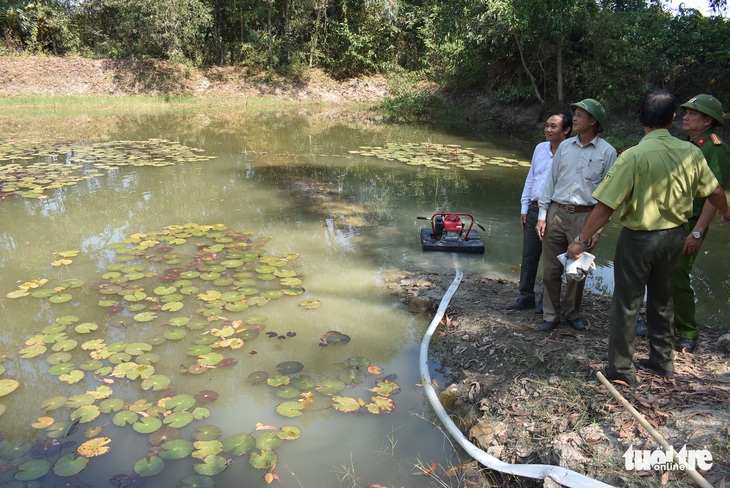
{"x":576,"y":208}
{"x":534,"y":203}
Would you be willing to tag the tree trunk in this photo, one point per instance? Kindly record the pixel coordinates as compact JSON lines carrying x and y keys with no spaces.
{"x":561,"y":97}
{"x":527,"y":70}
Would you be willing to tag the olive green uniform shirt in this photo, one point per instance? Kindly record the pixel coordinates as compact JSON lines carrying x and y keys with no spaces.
{"x":655,"y":181}
{"x":717,"y":154}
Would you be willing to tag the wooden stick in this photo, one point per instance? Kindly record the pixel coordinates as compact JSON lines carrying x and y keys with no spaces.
{"x":696,"y":477}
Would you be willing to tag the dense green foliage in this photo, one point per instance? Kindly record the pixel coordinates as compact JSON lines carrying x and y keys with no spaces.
{"x":549,"y":51}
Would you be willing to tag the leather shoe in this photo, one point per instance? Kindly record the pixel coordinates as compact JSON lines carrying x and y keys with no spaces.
{"x":646,"y":364}
{"x":547,"y":326}
{"x":611,"y":376}
{"x":521,"y":305}
{"x":577,"y":324}
{"x":685,"y":345}
{"x":642,"y":331}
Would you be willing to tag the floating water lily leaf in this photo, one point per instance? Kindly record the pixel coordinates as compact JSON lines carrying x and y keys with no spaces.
{"x":145,"y":317}
{"x":82,"y":400}
{"x":210,"y":359}
{"x":289,"y":367}
{"x":357,"y":362}
{"x":206,"y":396}
{"x":179,"y":321}
{"x":178,"y":419}
{"x":137,"y":348}
{"x":94,"y":447}
{"x":147,"y":425}
{"x":289,"y":432}
{"x":201,"y":413}
{"x":330,"y":386}
{"x":175,"y":334}
{"x":156,"y":382}
{"x":164,"y":434}
{"x":212,"y":466}
{"x":33,"y":470}
{"x":18,"y":294}
{"x":286,"y":392}
{"x":60,"y":298}
{"x":58,"y":358}
{"x":380,"y":404}
{"x":8,"y":386}
{"x":239,"y":444}
{"x":125,"y":417}
{"x":385,"y":388}
{"x":352,"y":376}
{"x":52,"y":403}
{"x":149,"y":466}
{"x":263,"y":460}
{"x":86,"y":327}
{"x":310,"y":304}
{"x":303,"y":382}
{"x":70,"y":465}
{"x":176,"y":449}
{"x":205,"y":448}
{"x":258,"y":377}
{"x":345,"y":404}
{"x":43,"y":422}
{"x":73,"y":377}
{"x":85,"y":414}
{"x":179,"y":403}
{"x":197,"y":481}
{"x":32,"y":351}
{"x":278,"y":380}
{"x":112,"y":405}
{"x":290,"y":409}
{"x":335,"y":338}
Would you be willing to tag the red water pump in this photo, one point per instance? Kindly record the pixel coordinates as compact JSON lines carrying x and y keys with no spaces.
{"x":449,"y":233}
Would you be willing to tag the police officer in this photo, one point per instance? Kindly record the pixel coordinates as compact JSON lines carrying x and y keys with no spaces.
{"x":703,"y":114}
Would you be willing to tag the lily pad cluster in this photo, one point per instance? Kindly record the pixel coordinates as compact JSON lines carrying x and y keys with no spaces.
{"x":202,"y":283}
{"x":28,"y":168}
{"x":437,"y":156}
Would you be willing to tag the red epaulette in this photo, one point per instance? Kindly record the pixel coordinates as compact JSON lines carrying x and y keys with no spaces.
{"x":701,"y":141}
{"x":716,"y":139}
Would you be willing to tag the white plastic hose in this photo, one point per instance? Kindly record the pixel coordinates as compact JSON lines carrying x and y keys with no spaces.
{"x":560,"y":475}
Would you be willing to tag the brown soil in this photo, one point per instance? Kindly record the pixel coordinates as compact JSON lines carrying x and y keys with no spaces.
{"x":526,"y":396}
{"x":82,"y":76}
{"x":521,"y":395}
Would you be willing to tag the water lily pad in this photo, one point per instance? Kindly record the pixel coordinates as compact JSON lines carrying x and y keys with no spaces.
{"x":258,"y":377}
{"x":345,"y":404}
{"x":380,"y":405}
{"x":70,"y":465}
{"x":178,"y":419}
{"x":60,"y":298}
{"x":303,"y":382}
{"x":86,"y":327}
{"x":125,"y":417}
{"x":289,"y":367}
{"x":147,"y":425}
{"x":328,"y":386}
{"x":197,"y":481}
{"x":352,"y":376}
{"x":211,"y":466}
{"x":290,"y":409}
{"x":206,"y":396}
{"x":94,"y":447}
{"x":310,"y":304}
{"x":149,"y":466}
{"x":175,"y":334}
{"x":239,"y":444}
{"x":176,"y":449}
{"x":263,"y":460}
{"x":156,"y":382}
{"x":32,"y":470}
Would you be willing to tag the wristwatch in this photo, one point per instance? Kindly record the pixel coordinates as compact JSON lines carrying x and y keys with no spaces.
{"x":697,"y":234}
{"x":583,"y":244}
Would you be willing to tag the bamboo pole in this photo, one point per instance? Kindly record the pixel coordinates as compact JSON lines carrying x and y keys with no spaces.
{"x":696,"y":477}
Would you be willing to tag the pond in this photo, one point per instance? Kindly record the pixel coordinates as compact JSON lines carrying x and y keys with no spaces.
{"x":201,"y":299}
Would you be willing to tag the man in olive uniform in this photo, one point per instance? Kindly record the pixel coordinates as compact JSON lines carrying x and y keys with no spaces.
{"x":702,"y":114}
{"x":643,"y":184}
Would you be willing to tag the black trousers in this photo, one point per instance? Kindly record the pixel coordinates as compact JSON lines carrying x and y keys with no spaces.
{"x":531,"y":252}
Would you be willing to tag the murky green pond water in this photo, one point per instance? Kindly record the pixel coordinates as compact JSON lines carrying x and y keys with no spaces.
{"x":215,"y":300}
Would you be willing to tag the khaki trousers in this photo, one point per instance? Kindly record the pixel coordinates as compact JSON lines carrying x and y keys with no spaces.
{"x":561,"y":229}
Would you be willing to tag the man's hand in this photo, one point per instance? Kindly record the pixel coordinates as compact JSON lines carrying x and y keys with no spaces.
{"x":593,"y":241}
{"x":523,"y":219}
{"x":575,"y":250}
{"x":540,"y":228}
{"x":691,"y":245}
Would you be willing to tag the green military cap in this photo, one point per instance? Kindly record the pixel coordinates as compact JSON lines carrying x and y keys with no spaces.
{"x":595,"y":109}
{"x":706,"y":104}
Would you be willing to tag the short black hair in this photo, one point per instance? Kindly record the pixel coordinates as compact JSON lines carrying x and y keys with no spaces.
{"x":567,"y":118}
{"x":657,"y":109}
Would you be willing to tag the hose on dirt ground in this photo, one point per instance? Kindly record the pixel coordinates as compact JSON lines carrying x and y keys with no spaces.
{"x":558,"y":474}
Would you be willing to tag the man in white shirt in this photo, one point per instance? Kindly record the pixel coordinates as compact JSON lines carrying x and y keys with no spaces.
{"x":557,"y":128}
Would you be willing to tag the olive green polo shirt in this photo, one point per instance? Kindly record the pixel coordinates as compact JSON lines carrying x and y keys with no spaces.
{"x":655,"y":181}
{"x":717,"y":154}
